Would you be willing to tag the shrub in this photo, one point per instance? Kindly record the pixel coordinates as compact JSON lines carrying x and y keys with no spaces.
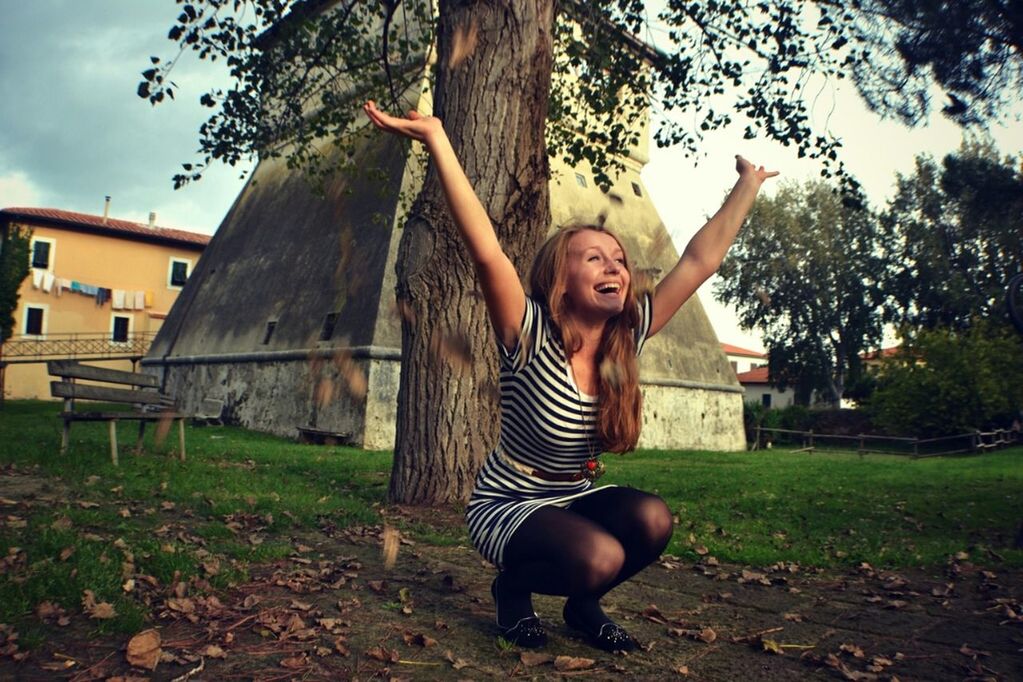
{"x":950,"y":382}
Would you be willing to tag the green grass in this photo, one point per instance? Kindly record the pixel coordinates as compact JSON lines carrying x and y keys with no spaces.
{"x":835,"y":509}
{"x":164,"y":518}
{"x":168,"y":515}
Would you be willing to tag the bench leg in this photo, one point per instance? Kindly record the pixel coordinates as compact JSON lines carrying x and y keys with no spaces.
{"x":142,"y":433}
{"x":181,"y":438}
{"x":113,"y":441}
{"x":65,"y":437}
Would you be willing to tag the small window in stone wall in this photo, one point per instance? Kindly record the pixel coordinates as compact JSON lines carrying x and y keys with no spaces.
{"x":636,"y":190}
{"x":270,"y":327}
{"x":580,"y":179}
{"x":329,"y":322}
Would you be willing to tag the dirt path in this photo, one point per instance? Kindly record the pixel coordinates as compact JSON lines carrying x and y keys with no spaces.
{"x":334,"y":611}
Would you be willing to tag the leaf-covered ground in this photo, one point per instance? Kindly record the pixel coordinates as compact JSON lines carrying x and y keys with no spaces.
{"x":333,"y":608}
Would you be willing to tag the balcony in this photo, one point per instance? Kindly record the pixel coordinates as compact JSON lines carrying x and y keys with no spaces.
{"x":92,"y":345}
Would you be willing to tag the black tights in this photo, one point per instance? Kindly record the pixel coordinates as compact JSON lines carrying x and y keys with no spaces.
{"x":582,"y":552}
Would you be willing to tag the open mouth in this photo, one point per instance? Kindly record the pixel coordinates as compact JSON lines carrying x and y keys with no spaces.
{"x":608,"y":288}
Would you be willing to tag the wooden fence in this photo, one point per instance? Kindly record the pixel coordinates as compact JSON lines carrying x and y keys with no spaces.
{"x":808,"y":441}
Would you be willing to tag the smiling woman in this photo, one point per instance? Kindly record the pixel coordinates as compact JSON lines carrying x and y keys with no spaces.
{"x":569,"y":391}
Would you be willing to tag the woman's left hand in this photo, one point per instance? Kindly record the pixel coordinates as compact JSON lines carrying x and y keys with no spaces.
{"x":745,"y":169}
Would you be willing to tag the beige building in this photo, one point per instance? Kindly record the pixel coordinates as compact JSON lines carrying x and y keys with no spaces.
{"x":98,"y":290}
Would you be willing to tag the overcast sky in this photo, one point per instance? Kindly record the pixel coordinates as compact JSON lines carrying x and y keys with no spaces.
{"x":73,"y":130}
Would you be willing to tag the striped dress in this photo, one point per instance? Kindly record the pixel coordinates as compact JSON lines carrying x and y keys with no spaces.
{"x":547,"y":423}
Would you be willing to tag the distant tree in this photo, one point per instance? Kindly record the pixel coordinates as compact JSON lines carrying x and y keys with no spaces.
{"x":952,"y":381}
{"x":954,"y":236}
{"x":302,"y":67}
{"x":804,"y":271}
{"x":14,"y":267}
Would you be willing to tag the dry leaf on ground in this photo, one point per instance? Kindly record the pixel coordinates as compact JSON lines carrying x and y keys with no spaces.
{"x":534,"y":658}
{"x":144,"y":650}
{"x":567,"y":663}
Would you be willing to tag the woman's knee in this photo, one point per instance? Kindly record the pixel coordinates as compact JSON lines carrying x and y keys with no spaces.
{"x":598,"y":564}
{"x":655,"y":519}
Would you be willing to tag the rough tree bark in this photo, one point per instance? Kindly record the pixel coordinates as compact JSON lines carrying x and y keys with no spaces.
{"x":492,"y":88}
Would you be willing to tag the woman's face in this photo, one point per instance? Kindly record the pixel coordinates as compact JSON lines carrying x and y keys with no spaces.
{"x":597,"y":280}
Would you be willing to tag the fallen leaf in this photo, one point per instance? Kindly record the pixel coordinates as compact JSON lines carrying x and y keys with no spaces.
{"x":63,"y":523}
{"x":144,"y":650}
{"x":966,"y":650}
{"x":456,"y":663}
{"x":853,"y":650}
{"x":707,"y":635}
{"x":567,"y":663}
{"x":98,"y":610}
{"x":532,"y":659}
{"x":295,"y":662}
{"x":418,"y":639}
{"x":391,"y":542}
{"x":214,"y":651}
{"x":384,"y":655}
{"x":652,"y":613}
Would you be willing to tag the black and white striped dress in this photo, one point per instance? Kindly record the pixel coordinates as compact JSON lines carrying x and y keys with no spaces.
{"x":547,"y":423}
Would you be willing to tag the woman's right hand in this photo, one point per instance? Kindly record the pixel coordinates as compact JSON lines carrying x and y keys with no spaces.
{"x":415,"y":126}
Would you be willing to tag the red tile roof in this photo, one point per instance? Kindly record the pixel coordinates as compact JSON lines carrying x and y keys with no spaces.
{"x":880,"y":354}
{"x":111,"y":226}
{"x":729,"y":349}
{"x":757,"y":375}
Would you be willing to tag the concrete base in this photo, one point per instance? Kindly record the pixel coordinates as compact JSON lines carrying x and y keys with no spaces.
{"x":358,"y":395}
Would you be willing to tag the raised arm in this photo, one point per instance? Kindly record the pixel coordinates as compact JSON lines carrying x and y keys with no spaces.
{"x":501,"y":286}
{"x":705,"y":251}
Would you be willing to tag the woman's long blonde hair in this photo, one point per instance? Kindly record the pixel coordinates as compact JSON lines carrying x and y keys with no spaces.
{"x":621,"y":404}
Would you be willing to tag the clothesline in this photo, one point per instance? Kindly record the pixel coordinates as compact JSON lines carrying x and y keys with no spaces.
{"x":120,"y":299}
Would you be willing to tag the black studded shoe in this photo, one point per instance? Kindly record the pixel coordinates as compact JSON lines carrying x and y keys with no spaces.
{"x":528,"y":632}
{"x":609,"y":635}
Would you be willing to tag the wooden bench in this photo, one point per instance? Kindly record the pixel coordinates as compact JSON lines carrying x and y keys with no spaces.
{"x":150,"y":405}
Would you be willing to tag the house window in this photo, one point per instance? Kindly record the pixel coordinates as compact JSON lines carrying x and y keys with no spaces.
{"x":580,"y":179}
{"x":766,"y":399}
{"x":177,"y":275}
{"x":120,"y":328}
{"x":34,"y":321}
{"x":42,"y":253}
{"x":636,"y":190}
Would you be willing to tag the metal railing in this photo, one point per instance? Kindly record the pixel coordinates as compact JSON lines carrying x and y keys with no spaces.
{"x":95,"y":345}
{"x":808,"y":441}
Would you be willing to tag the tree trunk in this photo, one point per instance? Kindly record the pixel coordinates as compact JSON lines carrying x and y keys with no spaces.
{"x":493,"y":81}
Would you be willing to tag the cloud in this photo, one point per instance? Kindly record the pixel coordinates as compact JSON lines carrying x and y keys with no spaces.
{"x":16,"y":189}
{"x":74,"y":125}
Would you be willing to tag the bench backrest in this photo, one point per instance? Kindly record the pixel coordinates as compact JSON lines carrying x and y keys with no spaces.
{"x":145,"y":394}
{"x":76,"y":370}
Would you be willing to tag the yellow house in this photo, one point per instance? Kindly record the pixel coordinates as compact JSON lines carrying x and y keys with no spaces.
{"x":98,"y":290}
